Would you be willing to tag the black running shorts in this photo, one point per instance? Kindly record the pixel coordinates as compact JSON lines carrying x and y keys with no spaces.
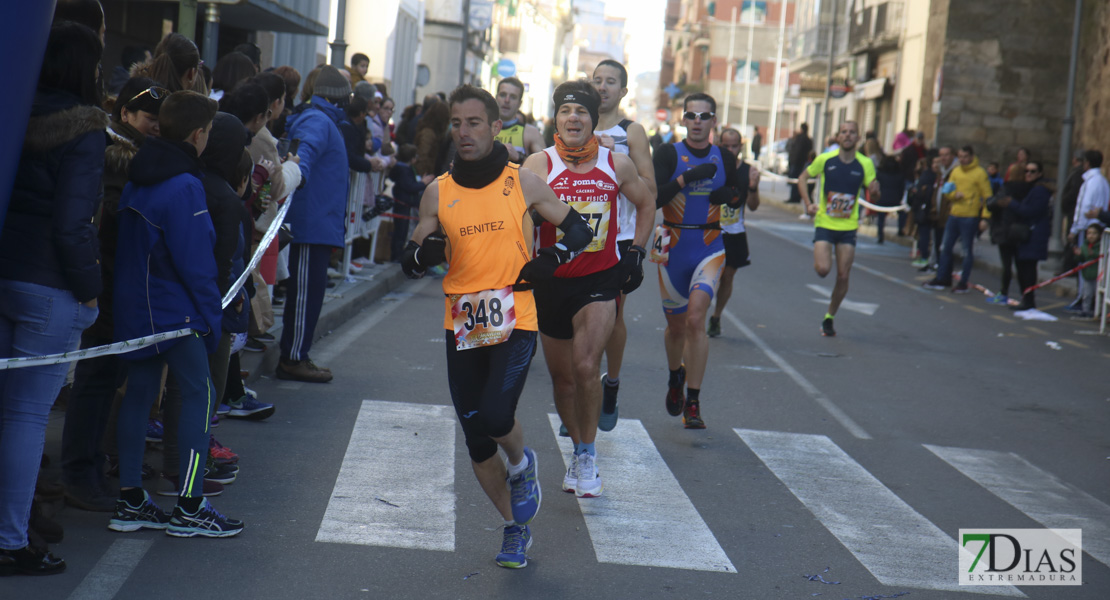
{"x":558,"y":300}
{"x":736,"y":249}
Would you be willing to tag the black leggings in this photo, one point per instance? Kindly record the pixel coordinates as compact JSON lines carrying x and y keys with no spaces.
{"x":1009,"y":256}
{"x":1027,"y":277}
{"x":486,"y":383}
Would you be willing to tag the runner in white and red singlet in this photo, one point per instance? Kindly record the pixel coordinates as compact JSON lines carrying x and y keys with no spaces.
{"x":578,"y":305}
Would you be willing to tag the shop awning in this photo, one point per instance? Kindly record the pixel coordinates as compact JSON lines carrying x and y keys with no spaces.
{"x":869,"y":90}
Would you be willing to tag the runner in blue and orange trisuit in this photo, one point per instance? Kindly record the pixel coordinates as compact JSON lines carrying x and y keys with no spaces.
{"x":578,"y":306}
{"x":476,"y":217}
{"x":626,"y":137}
{"x":845,"y":175}
{"x":695,"y":179}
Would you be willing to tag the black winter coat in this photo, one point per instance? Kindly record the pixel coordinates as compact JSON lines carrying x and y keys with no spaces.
{"x":49,"y":237}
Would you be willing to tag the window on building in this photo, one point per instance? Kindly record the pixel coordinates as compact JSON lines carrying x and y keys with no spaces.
{"x":746,"y":71}
{"x":753,"y":11}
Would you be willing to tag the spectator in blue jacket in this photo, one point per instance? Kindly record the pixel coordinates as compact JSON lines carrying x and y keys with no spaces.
{"x":1032,"y":216}
{"x":166,"y":280}
{"x":49,"y":271}
{"x":316,"y":219}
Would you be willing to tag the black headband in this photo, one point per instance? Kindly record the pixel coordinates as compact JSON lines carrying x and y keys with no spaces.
{"x":590,"y":101}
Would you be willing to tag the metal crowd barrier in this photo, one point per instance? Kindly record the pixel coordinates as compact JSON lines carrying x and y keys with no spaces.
{"x":362,"y":194}
{"x":1102,"y":284}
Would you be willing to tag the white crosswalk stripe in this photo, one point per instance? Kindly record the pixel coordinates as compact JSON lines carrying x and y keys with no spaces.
{"x":396,"y":486}
{"x":644,"y":518}
{"x":1038,"y":494}
{"x":898,"y":545}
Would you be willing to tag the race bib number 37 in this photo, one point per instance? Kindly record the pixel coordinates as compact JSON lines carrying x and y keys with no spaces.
{"x":596,"y":215}
{"x":482,"y":318}
{"x":839,"y":205}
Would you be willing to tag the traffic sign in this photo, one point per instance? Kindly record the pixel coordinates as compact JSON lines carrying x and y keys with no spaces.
{"x":663,"y":115}
{"x":506,"y":68}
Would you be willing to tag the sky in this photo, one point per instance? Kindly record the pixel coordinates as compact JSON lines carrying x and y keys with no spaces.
{"x":644,"y":26}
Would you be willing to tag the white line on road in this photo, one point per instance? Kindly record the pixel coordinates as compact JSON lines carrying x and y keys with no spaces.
{"x":1046,"y":499}
{"x":898,"y":545}
{"x":112,"y":570}
{"x":864,"y":308}
{"x":396,"y":486}
{"x":643,"y":518}
{"x":833,"y":410}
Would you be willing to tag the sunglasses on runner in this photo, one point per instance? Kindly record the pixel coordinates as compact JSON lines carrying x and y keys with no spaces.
{"x":702,"y":116}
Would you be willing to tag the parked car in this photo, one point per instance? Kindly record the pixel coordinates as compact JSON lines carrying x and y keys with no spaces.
{"x":774,"y":159}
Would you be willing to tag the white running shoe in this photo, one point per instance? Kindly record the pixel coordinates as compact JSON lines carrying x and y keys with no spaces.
{"x":589,"y":480}
{"x":570,"y":480}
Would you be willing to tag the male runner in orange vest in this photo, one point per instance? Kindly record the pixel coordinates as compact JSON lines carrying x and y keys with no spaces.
{"x":476,"y":217}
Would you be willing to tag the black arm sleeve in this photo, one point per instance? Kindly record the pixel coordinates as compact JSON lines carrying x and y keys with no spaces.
{"x":735,"y":190}
{"x":355,"y":142}
{"x":665,"y":161}
{"x":576,"y":233}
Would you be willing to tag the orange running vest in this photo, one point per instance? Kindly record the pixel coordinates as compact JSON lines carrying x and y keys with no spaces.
{"x":487,"y":245}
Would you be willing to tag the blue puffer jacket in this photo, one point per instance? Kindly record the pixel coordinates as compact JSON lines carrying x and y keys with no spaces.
{"x":319,"y":207}
{"x":49,"y":237}
{"x":165,"y":261}
{"x":1034,"y":210}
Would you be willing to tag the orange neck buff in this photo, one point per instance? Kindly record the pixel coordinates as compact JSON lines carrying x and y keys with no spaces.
{"x":576,"y":156}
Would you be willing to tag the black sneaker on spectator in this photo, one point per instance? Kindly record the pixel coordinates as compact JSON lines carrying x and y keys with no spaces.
{"x":168,"y":486}
{"x":89,"y":497}
{"x":221,"y":474}
{"x":935,"y":284}
{"x":265,"y":337}
{"x":205,"y":522}
{"x":254,"y":345}
{"x":961,"y":288}
{"x":148,"y":515}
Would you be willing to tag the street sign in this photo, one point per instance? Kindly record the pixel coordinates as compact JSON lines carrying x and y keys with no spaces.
{"x":506,"y":68}
{"x":663,"y":115}
{"x":672,"y":90}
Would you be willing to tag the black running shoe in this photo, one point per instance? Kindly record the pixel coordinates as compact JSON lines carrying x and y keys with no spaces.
{"x":714,"y":327}
{"x":145,"y":516}
{"x":206,"y":522}
{"x":691,"y":416}
{"x":676,"y":400}
{"x":827,"y":328}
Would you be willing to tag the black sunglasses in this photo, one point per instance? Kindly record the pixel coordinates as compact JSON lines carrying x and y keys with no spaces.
{"x":155,"y":93}
{"x":1032,"y":171}
{"x":704,"y":116}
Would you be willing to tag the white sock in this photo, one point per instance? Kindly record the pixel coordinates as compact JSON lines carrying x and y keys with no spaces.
{"x":516,"y":469}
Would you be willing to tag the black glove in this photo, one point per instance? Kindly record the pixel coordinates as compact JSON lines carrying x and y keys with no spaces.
{"x":702,"y":171}
{"x":433,"y":250}
{"x":542,"y":268}
{"x":633,"y":263}
{"x":725,"y":195}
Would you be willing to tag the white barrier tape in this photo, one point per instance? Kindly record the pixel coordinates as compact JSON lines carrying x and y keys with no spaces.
{"x":137,"y":343}
{"x":887,"y":209}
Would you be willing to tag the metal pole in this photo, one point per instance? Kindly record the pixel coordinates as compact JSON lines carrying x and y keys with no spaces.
{"x":778,"y":72}
{"x":729,"y":66}
{"x":339,"y":45}
{"x":1056,"y":243}
{"x":187,"y":18}
{"x":748,"y":79}
{"x":823,"y":117}
{"x":211,"y":34}
{"x":465,"y":41}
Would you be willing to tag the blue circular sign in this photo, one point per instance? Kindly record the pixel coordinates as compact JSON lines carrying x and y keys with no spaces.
{"x":506,"y":68}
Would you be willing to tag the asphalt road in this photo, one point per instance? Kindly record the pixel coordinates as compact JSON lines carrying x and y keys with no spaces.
{"x":856,"y":458}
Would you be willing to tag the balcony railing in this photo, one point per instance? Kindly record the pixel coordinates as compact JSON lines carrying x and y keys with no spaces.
{"x":814,"y":43}
{"x":876,"y":27}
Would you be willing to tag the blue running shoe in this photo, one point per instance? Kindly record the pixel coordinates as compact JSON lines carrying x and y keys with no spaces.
{"x":249,"y":408}
{"x":223,"y":409}
{"x":518,"y":539}
{"x":206,"y":522}
{"x":133,"y":518}
{"x":998,"y":299}
{"x":154,"y":430}
{"x":525,"y":492}
{"x":609,"y":411}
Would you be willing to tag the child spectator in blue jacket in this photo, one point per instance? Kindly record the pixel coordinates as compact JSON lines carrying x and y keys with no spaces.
{"x":165,"y":281}
{"x":407,"y":190}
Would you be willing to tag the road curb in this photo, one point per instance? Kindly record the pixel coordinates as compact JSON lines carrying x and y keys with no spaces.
{"x":336,"y":312}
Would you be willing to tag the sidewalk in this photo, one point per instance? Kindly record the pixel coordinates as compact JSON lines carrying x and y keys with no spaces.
{"x":988,"y":263}
{"x":341,"y":303}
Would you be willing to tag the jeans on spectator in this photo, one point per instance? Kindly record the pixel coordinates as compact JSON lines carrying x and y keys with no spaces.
{"x":188,"y":362}
{"x":94,"y":388}
{"x":34,"y":320}
{"x":880,"y":225}
{"x":964,"y":229}
{"x":1087,"y":289}
{"x":793,"y":172}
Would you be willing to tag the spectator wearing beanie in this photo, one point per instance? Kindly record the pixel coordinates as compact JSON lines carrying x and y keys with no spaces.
{"x":317,"y":220}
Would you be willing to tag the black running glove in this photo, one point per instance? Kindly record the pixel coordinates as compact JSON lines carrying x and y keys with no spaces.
{"x":417,"y":258}
{"x":633,"y":263}
{"x":542,"y":268}
{"x":702,"y":171}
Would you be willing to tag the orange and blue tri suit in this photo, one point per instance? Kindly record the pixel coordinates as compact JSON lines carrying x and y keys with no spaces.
{"x":487,"y":243}
{"x":697,"y":252}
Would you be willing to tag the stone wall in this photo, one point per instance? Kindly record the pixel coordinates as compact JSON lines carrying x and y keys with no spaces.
{"x":1092,"y":106}
{"x":934,"y":55}
{"x":1005,"y":77}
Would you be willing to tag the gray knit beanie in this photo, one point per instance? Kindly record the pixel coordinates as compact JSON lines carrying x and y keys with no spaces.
{"x":331,"y":84}
{"x":365,"y":89}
